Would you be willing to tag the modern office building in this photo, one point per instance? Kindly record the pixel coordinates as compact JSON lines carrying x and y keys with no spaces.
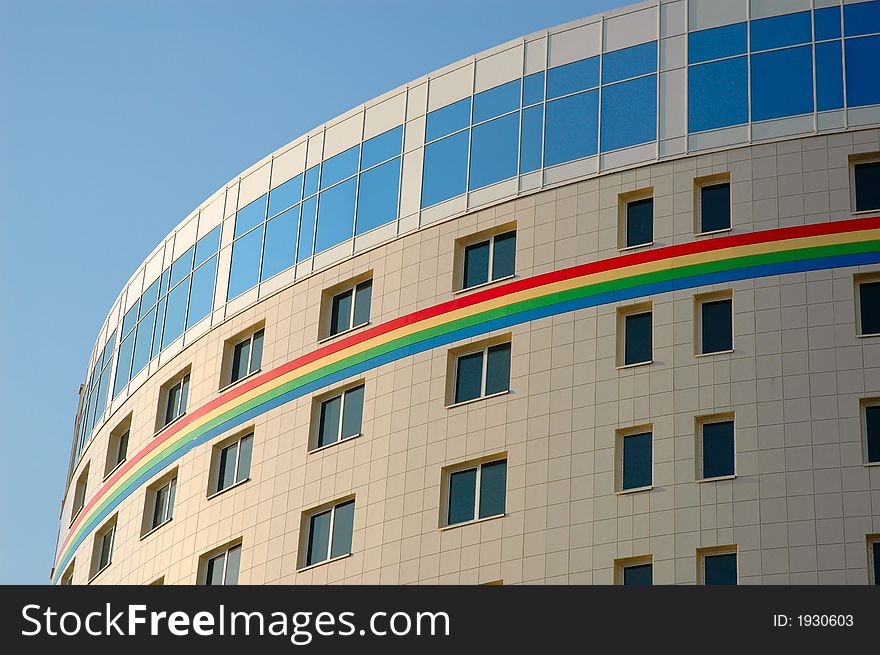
{"x":599,"y":305}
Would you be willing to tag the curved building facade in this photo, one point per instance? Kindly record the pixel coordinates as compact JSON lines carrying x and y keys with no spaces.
{"x":599,"y":305}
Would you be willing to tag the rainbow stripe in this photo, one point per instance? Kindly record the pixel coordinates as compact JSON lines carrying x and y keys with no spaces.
{"x":710,"y":261}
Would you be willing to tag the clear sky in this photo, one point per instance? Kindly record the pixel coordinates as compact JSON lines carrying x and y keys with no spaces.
{"x":116,"y":120}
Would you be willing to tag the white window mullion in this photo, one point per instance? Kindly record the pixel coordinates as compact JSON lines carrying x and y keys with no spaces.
{"x":330,"y":534}
{"x":237,"y":458}
{"x":351,"y":310}
{"x":478,"y":477}
{"x":484,"y":372}
{"x":341,"y":416}
{"x":489,"y":277}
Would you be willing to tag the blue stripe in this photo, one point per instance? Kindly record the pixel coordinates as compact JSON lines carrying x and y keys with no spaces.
{"x":514,"y":318}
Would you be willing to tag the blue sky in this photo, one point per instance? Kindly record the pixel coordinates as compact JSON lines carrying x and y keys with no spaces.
{"x":116,"y":120}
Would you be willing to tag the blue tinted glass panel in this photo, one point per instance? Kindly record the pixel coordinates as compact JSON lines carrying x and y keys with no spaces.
{"x":829,"y":76}
{"x":462,"y":496}
{"x":718,"y":94}
{"x":780,"y":31}
{"x":715,"y":207}
{"x":532,"y":139}
{"x":207,"y":245}
{"x":469,"y":377}
{"x":826,"y":23}
{"x":343,"y":525}
{"x":861,"y":18}
{"x":629,"y":62}
{"x":335,"y":215}
{"x":319,"y":538}
{"x":639,"y":575}
{"x":175,"y":313}
{"x":362,"y":300}
{"x":131,"y":317}
{"x":381,"y":148}
{"x":339,"y":167}
{"x":244,"y":270}
{"x":249,"y":216}
{"x":533,"y":88}
{"x":498,"y":369}
{"x":445,"y":171}
{"x":310,"y":184}
{"x":716,"y":43}
{"x":285,"y":195}
{"x":307,"y":229}
{"x":782,"y":83}
{"x":328,"y":426}
{"x":160,"y":324}
{"x":102,"y":392}
{"x":377,"y":196}
{"x":476,"y":264}
{"x":150,"y":296}
{"x":352,"y":412}
{"x":280,"y":245}
{"x":182,"y":266}
{"x":862,"y":56}
{"x":718,"y":454}
{"x":493,"y":488}
{"x":166,"y":277}
{"x":447,"y":120}
{"x":143,"y":342}
{"x":720,"y":569}
{"x":123,"y":364}
{"x":637,"y":461}
{"x":717,"y":326}
{"x":201,"y":293}
{"x":572,"y":128}
{"x":494,"y":147}
{"x":496,"y":101}
{"x":638,"y":339}
{"x":576,"y":76}
{"x":504,"y":255}
{"x":629,"y":113}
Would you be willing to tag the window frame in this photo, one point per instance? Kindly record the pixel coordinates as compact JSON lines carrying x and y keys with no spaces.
{"x":700,"y":422}
{"x":318,"y":404}
{"x":67,"y":576}
{"x":699,"y":300}
{"x":471,"y":465}
{"x":210,"y":556}
{"x":864,"y":403}
{"x":623,"y":202}
{"x":148,"y":525}
{"x":479,"y":347}
{"x":215,"y":478}
{"x":856,"y":160}
{"x":858,"y":280}
{"x":483,"y":236}
{"x":622,"y":314}
{"x":165,"y":394}
{"x":236,"y":343}
{"x":708,"y":181}
{"x":330,"y":294}
{"x":82,"y":482}
{"x":113,"y":461}
{"x":623,"y":563}
{"x":872,"y":541}
{"x":109,"y":527}
{"x":306,"y":531}
{"x":619,"y":436}
{"x":711,"y":551}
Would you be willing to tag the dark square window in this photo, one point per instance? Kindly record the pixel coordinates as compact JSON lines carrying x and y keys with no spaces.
{"x":351,"y":308}
{"x":637,"y":460}
{"x":869,"y":307}
{"x":493,"y":486}
{"x":715,"y":207}
{"x":638,"y":575}
{"x":872,"y":433}
{"x":720,"y":569}
{"x":716,"y":326}
{"x":875,"y":547}
{"x":718,"y":449}
{"x":464,"y":504}
{"x":867,"y":181}
{"x":639,"y":222}
{"x":470,"y":381}
{"x":637,"y":343}
{"x":489,"y":260}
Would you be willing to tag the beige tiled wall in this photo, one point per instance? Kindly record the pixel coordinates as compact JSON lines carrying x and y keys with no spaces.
{"x":798,"y":511}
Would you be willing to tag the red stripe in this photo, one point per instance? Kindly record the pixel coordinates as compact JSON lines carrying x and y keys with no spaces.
{"x":622,"y":261}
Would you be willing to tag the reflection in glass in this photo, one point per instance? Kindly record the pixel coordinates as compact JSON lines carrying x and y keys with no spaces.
{"x":335,"y":215}
{"x":494,"y":147}
{"x":572,"y":128}
{"x":280,"y":245}
{"x":377,"y":196}
{"x":445,"y":170}
{"x":244,"y":272}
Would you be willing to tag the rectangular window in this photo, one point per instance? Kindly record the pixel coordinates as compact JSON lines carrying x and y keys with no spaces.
{"x":223,"y":569}
{"x":635,"y":339}
{"x":717,"y":566}
{"x":234,"y":462}
{"x":163,"y":503}
{"x":572,"y":128}
{"x":635,"y":466}
{"x":175,"y":402}
{"x":79,"y":492}
{"x":866,"y":185}
{"x":636,"y":100}
{"x":247,"y":356}
{"x":350,"y":308}
{"x":716,"y":453}
{"x":714,"y":322}
{"x":340,"y":417}
{"x":873,"y":559}
{"x":329,"y":533}
{"x":718,"y":94}
{"x":102,"y":553}
{"x":67,"y":577}
{"x":476,"y":492}
{"x":634,"y":571}
{"x":117,"y":450}
{"x":636,"y":218}
{"x":481,"y":373}
{"x":871,"y":429}
{"x":712,"y":203}
{"x":488,"y":260}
